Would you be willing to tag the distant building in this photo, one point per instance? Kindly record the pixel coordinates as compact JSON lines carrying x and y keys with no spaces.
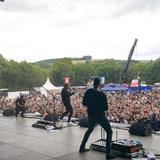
{"x":88,"y":58}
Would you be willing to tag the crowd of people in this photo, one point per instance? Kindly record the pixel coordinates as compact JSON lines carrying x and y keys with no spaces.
{"x":127,"y":108}
{"x":123,"y":107}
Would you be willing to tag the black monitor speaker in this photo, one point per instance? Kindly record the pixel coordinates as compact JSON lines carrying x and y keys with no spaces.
{"x":141,"y":129}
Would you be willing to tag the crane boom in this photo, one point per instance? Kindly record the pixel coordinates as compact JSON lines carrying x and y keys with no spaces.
{"x":128,"y":61}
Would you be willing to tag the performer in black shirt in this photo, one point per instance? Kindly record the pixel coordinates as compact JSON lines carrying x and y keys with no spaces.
{"x":66,"y":93}
{"x":20,"y":106}
{"x":96,"y":103}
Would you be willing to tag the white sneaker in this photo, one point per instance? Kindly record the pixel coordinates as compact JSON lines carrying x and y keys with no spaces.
{"x":71,"y":124}
{"x":49,"y":127}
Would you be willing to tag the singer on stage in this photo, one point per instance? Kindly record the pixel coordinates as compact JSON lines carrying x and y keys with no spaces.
{"x":96,"y":103}
{"x":66,"y":93}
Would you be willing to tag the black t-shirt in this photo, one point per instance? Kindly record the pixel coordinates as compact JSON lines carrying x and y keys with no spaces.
{"x":96,"y":102}
{"x":66,"y":95}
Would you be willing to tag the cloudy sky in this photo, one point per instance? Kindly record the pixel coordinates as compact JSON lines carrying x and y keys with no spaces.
{"x":33,"y":30}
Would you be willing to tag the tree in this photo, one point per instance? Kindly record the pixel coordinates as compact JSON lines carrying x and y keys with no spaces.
{"x":61,"y":69}
{"x":110,"y":69}
{"x":155,"y":71}
{"x":82,"y":72}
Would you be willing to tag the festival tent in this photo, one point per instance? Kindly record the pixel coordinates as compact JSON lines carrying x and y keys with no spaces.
{"x":49,"y":87}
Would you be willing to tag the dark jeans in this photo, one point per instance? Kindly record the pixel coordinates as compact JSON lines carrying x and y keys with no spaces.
{"x":20,"y":109}
{"x":68,"y":110}
{"x":103,"y":121}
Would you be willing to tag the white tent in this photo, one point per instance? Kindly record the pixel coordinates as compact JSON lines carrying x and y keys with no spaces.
{"x":48,"y":86}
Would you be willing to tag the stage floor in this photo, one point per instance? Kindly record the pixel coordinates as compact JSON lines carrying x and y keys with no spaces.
{"x":20,"y":141}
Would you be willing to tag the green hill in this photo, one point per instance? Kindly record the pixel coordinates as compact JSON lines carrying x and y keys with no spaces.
{"x":48,"y":62}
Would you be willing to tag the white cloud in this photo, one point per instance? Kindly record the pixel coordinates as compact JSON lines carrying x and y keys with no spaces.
{"x":34,"y":30}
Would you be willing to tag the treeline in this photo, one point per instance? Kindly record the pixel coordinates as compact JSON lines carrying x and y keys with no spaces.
{"x":22,"y":76}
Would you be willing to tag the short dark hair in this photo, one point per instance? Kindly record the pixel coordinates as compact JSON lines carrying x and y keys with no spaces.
{"x":96,"y":82}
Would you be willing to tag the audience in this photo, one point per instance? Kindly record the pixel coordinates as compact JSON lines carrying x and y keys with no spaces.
{"x":123,"y":107}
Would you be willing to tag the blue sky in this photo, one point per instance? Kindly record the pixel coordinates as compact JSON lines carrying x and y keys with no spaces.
{"x":43,"y":29}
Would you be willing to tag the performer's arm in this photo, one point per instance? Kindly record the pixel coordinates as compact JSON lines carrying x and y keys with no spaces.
{"x":68,"y":93}
{"x":85,"y":99}
{"x":72,"y":93}
{"x":105,"y":102}
{"x":17,"y":102}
